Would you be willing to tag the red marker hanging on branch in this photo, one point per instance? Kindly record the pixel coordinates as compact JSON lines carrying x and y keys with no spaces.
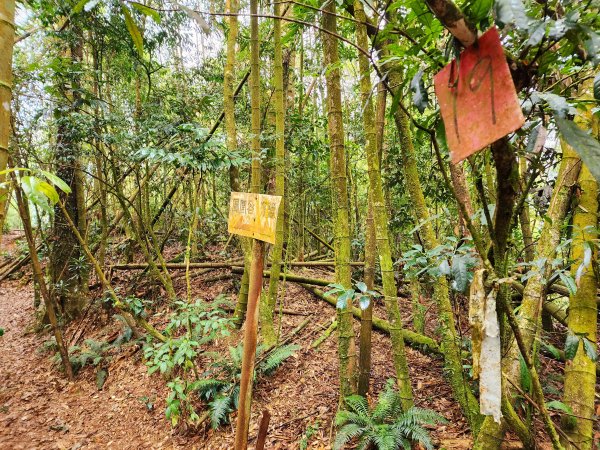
{"x":477,"y":97}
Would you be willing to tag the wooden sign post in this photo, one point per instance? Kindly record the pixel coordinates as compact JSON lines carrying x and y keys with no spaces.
{"x":252,"y":215}
{"x":477,"y":97}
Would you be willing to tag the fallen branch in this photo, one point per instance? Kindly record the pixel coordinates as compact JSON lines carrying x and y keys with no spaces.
{"x":416,"y":340}
{"x":317,"y":343}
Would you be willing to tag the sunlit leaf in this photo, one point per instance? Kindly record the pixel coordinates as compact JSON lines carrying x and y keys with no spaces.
{"x":584,"y":144}
{"x":134,"y":31}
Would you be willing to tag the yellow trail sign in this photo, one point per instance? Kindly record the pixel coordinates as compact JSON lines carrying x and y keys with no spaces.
{"x":253,"y":215}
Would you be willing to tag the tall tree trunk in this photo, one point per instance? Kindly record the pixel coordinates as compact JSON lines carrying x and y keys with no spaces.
{"x":65,"y":250}
{"x":366,"y":315}
{"x":580,"y":373}
{"x":390,"y":290}
{"x":341,"y":219}
{"x":256,"y":269}
{"x":231,"y":7}
{"x":268,"y":302}
{"x":7,"y":39}
{"x":450,"y":340}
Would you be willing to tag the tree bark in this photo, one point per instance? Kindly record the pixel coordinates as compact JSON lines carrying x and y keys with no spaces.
{"x":380,"y":216}
{"x":346,"y":344}
{"x":268,"y":302}
{"x":580,"y":373}
{"x":7,"y":39}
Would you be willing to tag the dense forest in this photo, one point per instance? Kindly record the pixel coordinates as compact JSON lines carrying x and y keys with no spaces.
{"x":299,"y":224}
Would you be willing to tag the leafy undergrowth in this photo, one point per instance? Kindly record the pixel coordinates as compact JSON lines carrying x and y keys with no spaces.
{"x":129,"y":407}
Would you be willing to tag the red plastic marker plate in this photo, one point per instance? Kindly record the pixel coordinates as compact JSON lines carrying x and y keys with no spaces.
{"x":477,"y":98}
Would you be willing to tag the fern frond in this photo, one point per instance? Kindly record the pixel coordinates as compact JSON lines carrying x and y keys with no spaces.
{"x":417,"y":415}
{"x":276,"y":358}
{"x":220,"y":407}
{"x":389,"y":405}
{"x":346,"y":417}
{"x":346,"y":434}
{"x":416,"y":433}
{"x":359,"y":405}
{"x":208,"y":387}
{"x":384,"y":437}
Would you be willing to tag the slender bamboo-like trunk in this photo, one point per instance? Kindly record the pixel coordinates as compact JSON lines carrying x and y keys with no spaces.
{"x":450,"y":341}
{"x":257,"y":256}
{"x":580,"y":373}
{"x":390,"y":289}
{"x":346,"y":344}
{"x":232,"y":6}
{"x":529,"y":315}
{"x":7,"y":39}
{"x":41,"y":282}
{"x":268,"y":302}
{"x":366,"y":315}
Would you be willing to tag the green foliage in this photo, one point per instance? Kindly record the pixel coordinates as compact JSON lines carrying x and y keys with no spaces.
{"x":584,"y":144}
{"x":361,"y":294}
{"x":37,"y":191}
{"x":310,"y":431}
{"x":386,"y":426}
{"x":454,"y":258}
{"x":572,"y":345}
{"x":203,"y":322}
{"x":220,"y":390}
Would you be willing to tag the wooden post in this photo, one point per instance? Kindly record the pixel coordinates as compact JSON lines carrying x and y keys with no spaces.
{"x":250,"y":338}
{"x":263,"y":428}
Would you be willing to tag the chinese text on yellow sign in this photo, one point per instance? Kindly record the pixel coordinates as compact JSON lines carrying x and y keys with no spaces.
{"x":253,"y":215}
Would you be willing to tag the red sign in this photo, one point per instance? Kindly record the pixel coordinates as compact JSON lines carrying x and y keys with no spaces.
{"x":477,"y":97}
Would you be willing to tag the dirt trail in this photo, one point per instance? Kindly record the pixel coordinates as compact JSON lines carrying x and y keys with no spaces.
{"x":40,"y":409}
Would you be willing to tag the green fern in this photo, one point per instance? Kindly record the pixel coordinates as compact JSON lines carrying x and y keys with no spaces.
{"x":276,"y":358}
{"x":222,"y":390}
{"x":386,"y":426}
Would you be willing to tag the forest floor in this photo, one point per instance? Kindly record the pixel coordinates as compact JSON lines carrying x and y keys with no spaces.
{"x":40,"y":409}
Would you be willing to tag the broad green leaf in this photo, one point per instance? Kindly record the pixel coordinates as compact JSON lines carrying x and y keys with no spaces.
{"x":145,"y":10}
{"x":559,"y":105}
{"x":362,"y":287}
{"x":47,"y":190}
{"x":134,"y":31}
{"x":568,"y":280}
{"x":420,"y":97}
{"x":478,"y":9}
{"x":585,"y":145}
{"x":512,"y":12}
{"x":460,"y":273}
{"x":571,"y":346}
{"x":559,"y":406}
{"x":364,"y":302}
{"x":56,"y":181}
{"x":590,"y":349}
{"x":525,"y":375}
{"x":538,"y":31}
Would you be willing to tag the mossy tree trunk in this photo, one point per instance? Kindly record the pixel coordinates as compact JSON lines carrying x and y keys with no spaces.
{"x":380,"y":216}
{"x":65,"y":253}
{"x":580,"y":373}
{"x":450,"y":340}
{"x":341,"y":219}
{"x":7,"y":39}
{"x":268,"y":302}
{"x":231,"y":7}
